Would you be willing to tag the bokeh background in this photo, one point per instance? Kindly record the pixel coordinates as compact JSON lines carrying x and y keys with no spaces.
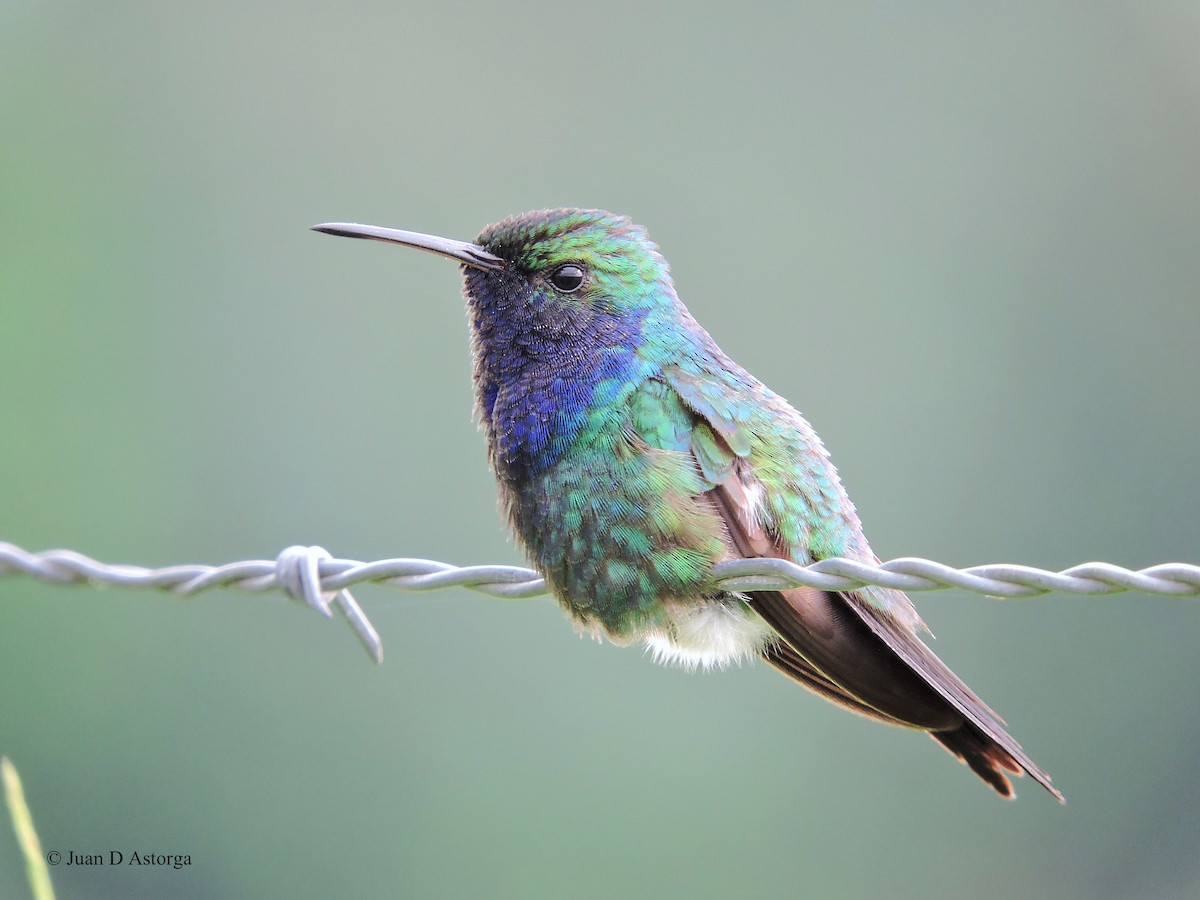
{"x":962,"y":238}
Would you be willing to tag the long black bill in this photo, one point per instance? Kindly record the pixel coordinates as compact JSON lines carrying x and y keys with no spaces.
{"x":468,"y":254}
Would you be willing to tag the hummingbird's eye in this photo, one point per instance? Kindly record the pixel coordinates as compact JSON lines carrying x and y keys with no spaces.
{"x":568,"y":278}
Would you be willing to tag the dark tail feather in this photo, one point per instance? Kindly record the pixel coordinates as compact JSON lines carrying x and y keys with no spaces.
{"x":986,"y":758}
{"x":847,"y":648}
{"x":797,"y":668}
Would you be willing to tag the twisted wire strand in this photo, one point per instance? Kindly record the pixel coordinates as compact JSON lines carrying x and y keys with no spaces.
{"x":313,"y":576}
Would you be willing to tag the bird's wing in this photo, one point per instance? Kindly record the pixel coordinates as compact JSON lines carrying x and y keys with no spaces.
{"x":845,"y":646}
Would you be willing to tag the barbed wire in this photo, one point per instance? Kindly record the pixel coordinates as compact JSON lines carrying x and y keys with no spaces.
{"x":313,"y":576}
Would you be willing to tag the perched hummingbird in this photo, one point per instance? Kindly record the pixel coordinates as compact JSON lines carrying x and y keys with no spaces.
{"x":632,"y":455}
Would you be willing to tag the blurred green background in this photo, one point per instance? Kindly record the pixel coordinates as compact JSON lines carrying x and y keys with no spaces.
{"x":961,"y":238}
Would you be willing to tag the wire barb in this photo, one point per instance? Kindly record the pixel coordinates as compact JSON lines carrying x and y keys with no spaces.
{"x":311,"y":575}
{"x":298,"y":572}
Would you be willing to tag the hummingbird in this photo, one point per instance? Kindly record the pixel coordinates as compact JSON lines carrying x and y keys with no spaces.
{"x":632,"y":455}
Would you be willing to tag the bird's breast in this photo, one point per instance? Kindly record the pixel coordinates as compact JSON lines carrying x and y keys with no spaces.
{"x":619,"y":531}
{"x":538,"y":413}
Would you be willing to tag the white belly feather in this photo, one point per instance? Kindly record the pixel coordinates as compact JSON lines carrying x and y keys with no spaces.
{"x":711,"y":634}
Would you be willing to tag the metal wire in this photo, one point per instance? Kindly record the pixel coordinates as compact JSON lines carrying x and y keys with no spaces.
{"x":311,"y":575}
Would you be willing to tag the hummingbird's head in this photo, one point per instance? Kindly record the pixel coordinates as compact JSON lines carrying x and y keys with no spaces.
{"x":563,"y":269}
{"x":546,"y":283}
{"x":573,"y":264}
{"x":566,"y":306}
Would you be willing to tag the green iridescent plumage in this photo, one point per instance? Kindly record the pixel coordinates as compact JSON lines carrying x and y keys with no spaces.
{"x":616,"y":513}
{"x":633,"y":455}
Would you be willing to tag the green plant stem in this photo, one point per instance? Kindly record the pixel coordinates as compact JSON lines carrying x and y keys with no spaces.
{"x":31,"y":847}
